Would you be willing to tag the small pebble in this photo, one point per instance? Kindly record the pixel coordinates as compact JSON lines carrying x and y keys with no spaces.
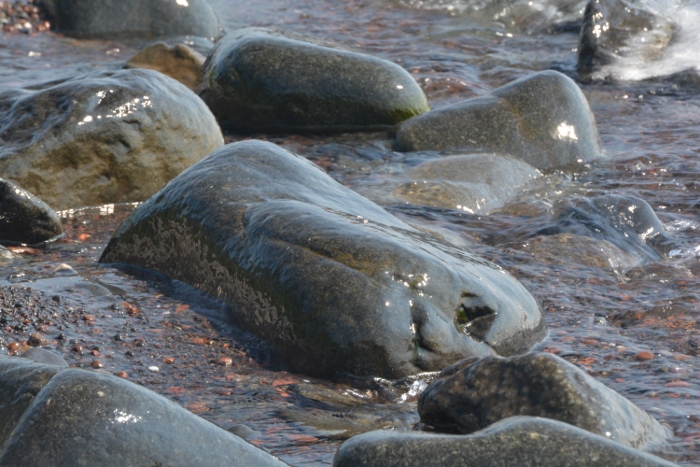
{"x":644,"y":356}
{"x":97,"y":364}
{"x":225,"y":361}
{"x":121,"y":374}
{"x":154,"y":368}
{"x":169,"y":360}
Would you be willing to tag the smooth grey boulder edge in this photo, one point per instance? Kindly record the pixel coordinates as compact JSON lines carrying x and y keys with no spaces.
{"x":70,"y":417}
{"x":513,"y":442}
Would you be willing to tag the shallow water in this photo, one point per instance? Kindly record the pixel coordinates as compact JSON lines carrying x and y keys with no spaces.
{"x":601,"y":315}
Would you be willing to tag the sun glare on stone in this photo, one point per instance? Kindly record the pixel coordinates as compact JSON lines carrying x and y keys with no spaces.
{"x":182,"y":2}
{"x":566,"y":131}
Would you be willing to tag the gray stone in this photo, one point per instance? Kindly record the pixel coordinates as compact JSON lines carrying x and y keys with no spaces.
{"x":542,"y":119}
{"x":475,"y":393}
{"x":39,"y":355}
{"x":623,"y":32}
{"x":257,"y":79}
{"x":179,"y":62}
{"x":105,"y":137}
{"x":625,"y":221}
{"x":513,"y":442}
{"x":331,"y":280}
{"x":110,"y":19}
{"x":24,"y":218}
{"x":86,"y":418}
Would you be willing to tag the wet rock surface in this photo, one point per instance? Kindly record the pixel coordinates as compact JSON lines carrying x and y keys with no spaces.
{"x":122,"y":423}
{"x":475,"y":183}
{"x":179,"y":62}
{"x":262,"y":80}
{"x":622,"y":31}
{"x":542,"y":119}
{"x":627,"y":222}
{"x":521,"y":441}
{"x":24,"y":218}
{"x":109,"y":19}
{"x":103,"y":137}
{"x":473,"y":394}
{"x":331,"y":280}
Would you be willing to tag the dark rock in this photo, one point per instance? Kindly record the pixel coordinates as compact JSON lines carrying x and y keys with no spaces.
{"x":621,"y":31}
{"x":39,"y":355}
{"x":105,"y":137}
{"x":542,"y":119}
{"x":86,"y":418}
{"x":625,"y":221}
{"x":179,"y":62}
{"x":20,"y":382}
{"x":331,"y":280}
{"x":515,"y":441}
{"x":566,"y":248}
{"x":257,"y":79}
{"x":110,"y":19}
{"x":24,"y":218}
{"x":475,"y":393}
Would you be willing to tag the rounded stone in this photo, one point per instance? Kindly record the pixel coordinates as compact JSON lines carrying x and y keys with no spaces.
{"x":260,"y":80}
{"x":24,"y":218}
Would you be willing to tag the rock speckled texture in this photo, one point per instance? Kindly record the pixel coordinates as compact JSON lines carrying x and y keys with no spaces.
{"x":513,"y":442}
{"x":335,"y":283}
{"x":179,"y":62}
{"x":257,"y":79}
{"x":104,"y":137}
{"x":474,"y":394}
{"x":24,"y":218}
{"x":542,"y":119}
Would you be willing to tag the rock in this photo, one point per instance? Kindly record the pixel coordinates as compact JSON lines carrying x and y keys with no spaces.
{"x":260,"y":80}
{"x":566,"y":248}
{"x":625,"y":221}
{"x":476,"y":183}
{"x":24,"y":218}
{"x":331,"y":280}
{"x":521,"y":441}
{"x":110,"y":19}
{"x":179,"y":62}
{"x":89,"y":418}
{"x":39,"y":355}
{"x":475,"y":393}
{"x":104,"y":137}
{"x":622,"y":32}
{"x":542,"y":119}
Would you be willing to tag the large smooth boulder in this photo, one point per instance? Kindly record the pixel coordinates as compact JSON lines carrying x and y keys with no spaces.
{"x":516,"y":442}
{"x":331,"y":280}
{"x":110,"y":19}
{"x":542,"y":119}
{"x":50,"y":415}
{"x":625,"y":33}
{"x":104,"y":137}
{"x":475,"y":183}
{"x":24,"y":218}
{"x":260,"y":80}
{"x":475,"y":393}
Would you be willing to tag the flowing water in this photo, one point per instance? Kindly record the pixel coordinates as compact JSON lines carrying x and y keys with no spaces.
{"x":602,"y":315}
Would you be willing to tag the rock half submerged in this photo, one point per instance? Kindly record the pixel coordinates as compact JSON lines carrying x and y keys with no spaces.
{"x":331,"y":280}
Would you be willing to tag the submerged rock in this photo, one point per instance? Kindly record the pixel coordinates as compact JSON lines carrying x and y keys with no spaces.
{"x":39,"y":355}
{"x":179,"y":62}
{"x":24,"y":218}
{"x":56,"y":416}
{"x":257,"y":79}
{"x":623,"y":32}
{"x":331,"y":280}
{"x":475,"y":393}
{"x":104,"y":137}
{"x":109,"y":19}
{"x":476,"y":183}
{"x":625,"y":221}
{"x":543,"y":119}
{"x":521,"y":441}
